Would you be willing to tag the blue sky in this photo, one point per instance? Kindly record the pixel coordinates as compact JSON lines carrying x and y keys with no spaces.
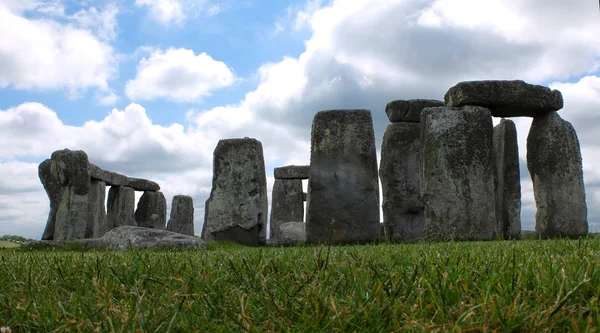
{"x":148,"y":87}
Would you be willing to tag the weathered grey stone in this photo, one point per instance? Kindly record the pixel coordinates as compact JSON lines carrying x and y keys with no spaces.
{"x":291,"y":233}
{"x":399,"y":174}
{"x":505,"y":98}
{"x":458,"y":173}
{"x":71,"y":216}
{"x":287,"y":204}
{"x":54,"y":191}
{"x":120,"y":207}
{"x":117,"y":179}
{"x":182,"y":215}
{"x":129,"y":237}
{"x":237,"y":207}
{"x":343,"y":187}
{"x":96,"y":220}
{"x":508,"y":189}
{"x":71,"y":168}
{"x":151,"y":203}
{"x":409,"y":110}
{"x":292,"y":172}
{"x":555,"y":166}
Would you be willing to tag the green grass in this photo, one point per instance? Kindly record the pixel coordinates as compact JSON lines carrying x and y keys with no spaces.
{"x":528,"y":286}
{"x":8,"y":245}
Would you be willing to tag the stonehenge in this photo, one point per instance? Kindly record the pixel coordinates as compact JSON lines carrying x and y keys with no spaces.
{"x":76,"y":189}
{"x":287,"y":196}
{"x":343,"y":188}
{"x":182,"y":215}
{"x":237,"y":208}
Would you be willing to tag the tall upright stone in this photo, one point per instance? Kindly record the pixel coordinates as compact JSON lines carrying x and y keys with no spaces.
{"x":96,"y":219}
{"x":120,"y":207}
{"x":70,"y":168}
{"x":343,"y":187}
{"x":458,"y":173}
{"x":555,"y":165}
{"x":237,"y":207}
{"x":287,"y":203}
{"x":399,"y":174}
{"x":508,"y":190}
{"x":54,"y":191}
{"x":182,"y":215}
{"x":151,"y":210}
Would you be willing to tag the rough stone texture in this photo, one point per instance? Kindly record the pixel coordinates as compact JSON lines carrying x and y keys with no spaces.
{"x":399,"y":174}
{"x":505,"y":98}
{"x":458,"y":173}
{"x":292,"y":172}
{"x":555,"y":166}
{"x":71,"y":168}
{"x":343,"y":187}
{"x":54,"y":191}
{"x":71,"y":216}
{"x":120,"y":207}
{"x":291,"y":233}
{"x":508,"y":190}
{"x":182,"y":215}
{"x":117,"y":179}
{"x":409,"y":110}
{"x":151,"y":210}
{"x":96,"y":220}
{"x":237,"y":207}
{"x":287,"y":203}
{"x":130,"y":237}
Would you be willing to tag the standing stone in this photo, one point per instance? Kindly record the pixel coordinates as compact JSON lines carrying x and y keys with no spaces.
{"x":399,"y":173}
{"x":287,"y":204}
{"x":508,"y":190}
{"x":182,"y":215}
{"x":408,"y":110}
{"x":96,"y":219}
{"x":458,"y":173}
{"x":71,"y":168}
{"x":54,"y":191}
{"x":291,"y":233}
{"x":120,"y":207}
{"x":555,"y":166}
{"x":152,"y":203}
{"x":237,"y":207}
{"x":343,"y":188}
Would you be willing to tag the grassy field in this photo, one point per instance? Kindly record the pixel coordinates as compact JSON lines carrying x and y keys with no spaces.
{"x":8,"y":245}
{"x":528,"y":286}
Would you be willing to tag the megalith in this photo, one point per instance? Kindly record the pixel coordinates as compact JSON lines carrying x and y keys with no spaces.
{"x":555,"y":166}
{"x":54,"y":190}
{"x":343,"y":187}
{"x":408,"y":110}
{"x":508,"y":188}
{"x":151,"y":211}
{"x":288,"y":196}
{"x":96,"y":219}
{"x":457,"y":173}
{"x":182,"y":215}
{"x":399,"y":174}
{"x":120,"y":207}
{"x":291,"y":233}
{"x":237,"y":207}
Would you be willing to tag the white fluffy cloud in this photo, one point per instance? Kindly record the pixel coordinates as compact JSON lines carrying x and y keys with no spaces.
{"x":177,"y":11}
{"x":43,"y":54}
{"x":178,"y":75}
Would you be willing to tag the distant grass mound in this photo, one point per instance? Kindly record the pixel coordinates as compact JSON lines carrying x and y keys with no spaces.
{"x":507,"y":286}
{"x":8,"y":245}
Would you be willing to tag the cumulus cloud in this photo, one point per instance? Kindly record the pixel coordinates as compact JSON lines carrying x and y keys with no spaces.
{"x":43,"y":54}
{"x":179,"y":75}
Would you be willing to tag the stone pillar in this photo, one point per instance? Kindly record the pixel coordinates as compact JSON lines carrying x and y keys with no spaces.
{"x":457,"y":173}
{"x":151,"y":210}
{"x":555,"y":165}
{"x":182,"y":215}
{"x":237,"y":207}
{"x":96,"y":220}
{"x":343,"y":190}
{"x":288,"y":197}
{"x":120,"y":207}
{"x":508,"y":190}
{"x":54,"y":191}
